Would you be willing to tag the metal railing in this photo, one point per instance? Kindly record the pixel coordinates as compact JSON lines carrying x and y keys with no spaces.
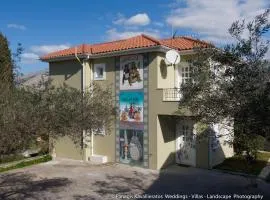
{"x":171,"y":94}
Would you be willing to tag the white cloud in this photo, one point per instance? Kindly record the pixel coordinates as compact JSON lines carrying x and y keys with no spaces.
{"x":16,"y":26}
{"x":211,"y":19}
{"x":29,"y":58}
{"x":114,"y":34}
{"x":140,"y":19}
{"x":44,"y":49}
{"x":32,"y":56}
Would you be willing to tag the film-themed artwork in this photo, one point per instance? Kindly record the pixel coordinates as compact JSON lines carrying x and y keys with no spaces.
{"x":131,"y":147}
{"x":131,"y":72}
{"x":131,"y":110}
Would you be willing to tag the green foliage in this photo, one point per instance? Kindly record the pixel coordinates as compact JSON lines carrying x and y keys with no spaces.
{"x":9,"y":68}
{"x":233,"y":83}
{"x":22,"y":164}
{"x":249,"y":144}
{"x":201,"y":127}
{"x":10,"y":158}
{"x":6,"y":72}
{"x":48,"y":112}
{"x":239,"y":164}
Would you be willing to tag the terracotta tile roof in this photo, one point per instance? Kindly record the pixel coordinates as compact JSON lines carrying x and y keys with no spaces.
{"x":131,"y":43}
{"x":140,"y":41}
{"x":184,"y":43}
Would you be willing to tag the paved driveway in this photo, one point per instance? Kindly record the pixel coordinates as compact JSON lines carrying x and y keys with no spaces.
{"x":81,"y":181}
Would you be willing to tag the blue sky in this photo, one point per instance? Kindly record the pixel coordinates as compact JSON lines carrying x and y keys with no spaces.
{"x":45,"y":26}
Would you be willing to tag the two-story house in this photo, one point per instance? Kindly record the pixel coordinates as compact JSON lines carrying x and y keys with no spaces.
{"x":149,"y":130}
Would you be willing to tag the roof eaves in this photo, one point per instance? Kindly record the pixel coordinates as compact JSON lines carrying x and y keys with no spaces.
{"x":157,"y":48}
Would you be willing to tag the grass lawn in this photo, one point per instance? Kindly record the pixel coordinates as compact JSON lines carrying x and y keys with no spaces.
{"x":25,"y":163}
{"x":238,"y":164}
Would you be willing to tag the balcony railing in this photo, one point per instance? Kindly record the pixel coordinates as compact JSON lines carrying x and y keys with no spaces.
{"x":171,"y":94}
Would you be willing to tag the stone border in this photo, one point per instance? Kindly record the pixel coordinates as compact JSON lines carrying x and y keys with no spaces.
{"x":145,"y":110}
{"x":117,"y":121}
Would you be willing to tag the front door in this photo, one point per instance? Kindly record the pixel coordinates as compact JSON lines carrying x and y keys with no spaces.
{"x":185,"y":143}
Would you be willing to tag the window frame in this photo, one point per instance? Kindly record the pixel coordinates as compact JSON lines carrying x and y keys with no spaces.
{"x":184,"y":75}
{"x":99,"y":66}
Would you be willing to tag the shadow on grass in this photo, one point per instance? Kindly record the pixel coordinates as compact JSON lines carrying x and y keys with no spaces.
{"x":22,"y":186}
{"x":238,"y":164}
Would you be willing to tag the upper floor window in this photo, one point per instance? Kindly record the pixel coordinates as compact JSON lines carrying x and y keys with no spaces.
{"x":99,"y":72}
{"x":186,"y":71}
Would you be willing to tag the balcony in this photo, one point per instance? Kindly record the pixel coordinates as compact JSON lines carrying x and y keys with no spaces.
{"x":171,"y":94}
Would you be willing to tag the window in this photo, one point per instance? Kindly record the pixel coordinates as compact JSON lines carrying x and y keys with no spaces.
{"x":99,"y":72}
{"x":186,"y":73}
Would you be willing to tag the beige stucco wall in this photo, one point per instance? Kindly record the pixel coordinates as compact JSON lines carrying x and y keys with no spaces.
{"x":69,"y":72}
{"x":165,"y":140}
{"x":161,"y":123}
{"x":162,"y":132}
{"x":165,"y":74}
{"x":105,"y":145}
{"x":159,"y":149}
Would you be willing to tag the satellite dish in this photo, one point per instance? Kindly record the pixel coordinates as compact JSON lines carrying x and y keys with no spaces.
{"x":173,"y":57}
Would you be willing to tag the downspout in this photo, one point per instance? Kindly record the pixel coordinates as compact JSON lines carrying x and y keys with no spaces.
{"x":83,"y":89}
{"x":92,"y":134}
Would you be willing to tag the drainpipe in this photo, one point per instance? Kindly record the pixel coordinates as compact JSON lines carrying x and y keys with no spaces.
{"x":83,"y":64}
{"x":84,"y":88}
{"x":92,"y":133}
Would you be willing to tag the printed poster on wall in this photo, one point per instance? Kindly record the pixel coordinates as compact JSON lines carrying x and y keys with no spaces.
{"x":131,"y":109}
{"x":131,"y":147}
{"x":131,"y":72}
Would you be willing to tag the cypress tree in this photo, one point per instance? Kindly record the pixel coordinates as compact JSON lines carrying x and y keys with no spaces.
{"x":6,"y":63}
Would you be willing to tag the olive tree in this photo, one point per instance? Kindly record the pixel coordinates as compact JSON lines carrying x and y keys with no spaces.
{"x":232,"y":82}
{"x":30,"y":113}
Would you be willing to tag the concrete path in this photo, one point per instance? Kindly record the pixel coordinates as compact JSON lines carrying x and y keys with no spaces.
{"x":81,"y":181}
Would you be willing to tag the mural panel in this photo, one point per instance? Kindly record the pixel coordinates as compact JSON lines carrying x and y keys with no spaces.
{"x":131,"y":72}
{"x":131,"y":147}
{"x":131,"y":110}
{"x":131,"y":133}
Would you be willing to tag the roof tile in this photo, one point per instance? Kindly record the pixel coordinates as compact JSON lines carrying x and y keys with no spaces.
{"x":140,"y":41}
